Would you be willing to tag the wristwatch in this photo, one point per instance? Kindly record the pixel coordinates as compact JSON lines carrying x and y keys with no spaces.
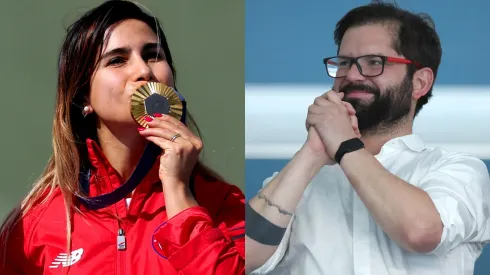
{"x":348,"y":146}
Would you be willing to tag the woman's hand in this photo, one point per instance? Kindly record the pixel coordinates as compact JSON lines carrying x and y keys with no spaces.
{"x":180,"y":154}
{"x":181,"y":149}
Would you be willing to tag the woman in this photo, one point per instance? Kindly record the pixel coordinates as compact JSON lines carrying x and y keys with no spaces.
{"x":180,"y":219}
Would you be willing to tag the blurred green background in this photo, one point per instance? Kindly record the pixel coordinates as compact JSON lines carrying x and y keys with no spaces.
{"x":206,"y":40}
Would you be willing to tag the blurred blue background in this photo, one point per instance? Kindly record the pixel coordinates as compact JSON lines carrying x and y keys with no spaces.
{"x":285,"y":43}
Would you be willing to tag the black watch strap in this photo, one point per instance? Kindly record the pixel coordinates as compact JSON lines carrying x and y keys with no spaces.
{"x":348,"y":146}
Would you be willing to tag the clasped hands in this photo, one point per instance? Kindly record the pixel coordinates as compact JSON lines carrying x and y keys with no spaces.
{"x":330,"y":121}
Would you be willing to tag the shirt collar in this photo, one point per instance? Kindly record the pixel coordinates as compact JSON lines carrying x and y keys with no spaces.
{"x":412,"y":142}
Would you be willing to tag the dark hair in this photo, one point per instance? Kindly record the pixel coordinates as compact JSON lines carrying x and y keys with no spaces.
{"x":415,"y":39}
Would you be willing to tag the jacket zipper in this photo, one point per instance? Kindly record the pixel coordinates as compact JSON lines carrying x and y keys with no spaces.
{"x":121,"y":250}
{"x":120,"y":241}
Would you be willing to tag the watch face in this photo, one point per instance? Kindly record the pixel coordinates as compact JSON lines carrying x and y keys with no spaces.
{"x":155,"y":97}
{"x":348,"y":146}
{"x":355,"y":144}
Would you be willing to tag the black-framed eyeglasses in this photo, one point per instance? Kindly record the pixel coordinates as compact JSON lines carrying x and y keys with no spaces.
{"x":368,"y":65}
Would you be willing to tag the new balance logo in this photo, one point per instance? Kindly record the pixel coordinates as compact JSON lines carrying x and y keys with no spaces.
{"x":64,"y":260}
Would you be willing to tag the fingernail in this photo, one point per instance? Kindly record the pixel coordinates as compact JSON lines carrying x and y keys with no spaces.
{"x":141,"y":129}
{"x":149,"y":119}
{"x":157,"y":115}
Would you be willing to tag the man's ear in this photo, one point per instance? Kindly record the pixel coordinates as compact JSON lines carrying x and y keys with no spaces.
{"x":422,"y":82}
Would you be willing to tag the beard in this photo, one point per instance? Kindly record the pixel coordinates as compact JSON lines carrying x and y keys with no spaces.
{"x":385,"y":110}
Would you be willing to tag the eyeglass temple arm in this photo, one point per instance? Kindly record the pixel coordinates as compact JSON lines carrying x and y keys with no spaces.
{"x":402,"y":60}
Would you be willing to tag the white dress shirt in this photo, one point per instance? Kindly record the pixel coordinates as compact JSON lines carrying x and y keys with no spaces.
{"x":332,"y":232}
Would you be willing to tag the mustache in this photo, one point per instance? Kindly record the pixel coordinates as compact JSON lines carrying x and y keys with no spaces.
{"x":359,"y":87}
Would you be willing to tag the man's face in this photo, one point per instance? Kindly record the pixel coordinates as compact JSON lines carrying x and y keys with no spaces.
{"x":381,"y":101}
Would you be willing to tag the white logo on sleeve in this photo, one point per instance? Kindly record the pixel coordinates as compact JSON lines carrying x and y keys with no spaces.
{"x":65,"y":260}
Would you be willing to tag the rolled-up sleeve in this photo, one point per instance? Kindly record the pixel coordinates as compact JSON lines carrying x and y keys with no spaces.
{"x":460,"y":190}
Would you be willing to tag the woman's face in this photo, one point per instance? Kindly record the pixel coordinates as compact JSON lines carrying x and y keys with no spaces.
{"x":130,"y":58}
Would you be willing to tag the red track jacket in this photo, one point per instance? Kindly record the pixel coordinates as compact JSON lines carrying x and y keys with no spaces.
{"x":208,"y":239}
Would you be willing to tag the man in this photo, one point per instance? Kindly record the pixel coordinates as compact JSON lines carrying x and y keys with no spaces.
{"x":385,"y":203}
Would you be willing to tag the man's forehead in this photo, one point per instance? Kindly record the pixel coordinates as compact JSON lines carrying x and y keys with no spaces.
{"x":367,"y":39}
